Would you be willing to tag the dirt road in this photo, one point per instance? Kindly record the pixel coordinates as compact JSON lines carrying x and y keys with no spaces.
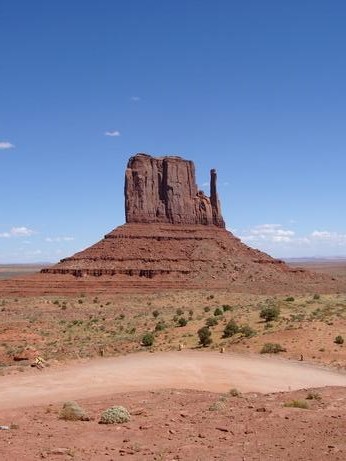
{"x":145,"y":371}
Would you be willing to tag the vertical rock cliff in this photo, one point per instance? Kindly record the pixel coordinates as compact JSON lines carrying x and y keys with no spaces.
{"x":164,"y":190}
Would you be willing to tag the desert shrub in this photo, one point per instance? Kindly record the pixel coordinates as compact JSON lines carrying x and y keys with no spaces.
{"x":272,"y":348}
{"x":71,"y":411}
{"x":211,"y":322}
{"x":148,"y":339}
{"x":247,"y":331}
{"x":297,"y":404}
{"x":115,"y":415}
{"x":156,"y":313}
{"x":218,"y":405}
{"x":226,"y":307}
{"x":218,"y":311}
{"x":313,"y":396}
{"x":160,"y":326}
{"x":269,"y":313}
{"x":206,"y":309}
{"x":290,"y":299}
{"x":56,"y":302}
{"x":182,"y":322}
{"x":234,"y":392}
{"x":231,"y":329}
{"x":316,"y":296}
{"x":191,"y":312}
{"x":204,"y":335}
{"x":179,"y":311}
{"x":339,"y":340}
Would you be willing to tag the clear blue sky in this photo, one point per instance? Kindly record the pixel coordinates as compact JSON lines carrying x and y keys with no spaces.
{"x":255,"y":89}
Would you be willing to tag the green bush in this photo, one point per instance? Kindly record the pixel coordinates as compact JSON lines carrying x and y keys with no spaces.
{"x":316,"y":296}
{"x":231,"y":329}
{"x":156,"y":313}
{"x":226,"y":307}
{"x":182,"y":322}
{"x":272,"y":348}
{"x":339,"y":340}
{"x":313,"y":396}
{"x":115,"y":415}
{"x":218,"y":311}
{"x":247,"y":331}
{"x":148,"y":339}
{"x":160,"y":326}
{"x":204,"y":335}
{"x":234,"y":392}
{"x":297,"y":404}
{"x":290,"y":299}
{"x":211,"y":322}
{"x":206,"y":309}
{"x":269,"y":313}
{"x":71,"y":411}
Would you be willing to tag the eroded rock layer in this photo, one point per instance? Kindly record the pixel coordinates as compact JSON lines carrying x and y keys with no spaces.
{"x":164,"y":190}
{"x":161,"y":256}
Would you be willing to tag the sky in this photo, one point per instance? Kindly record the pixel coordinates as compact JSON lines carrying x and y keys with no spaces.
{"x":255,"y":89}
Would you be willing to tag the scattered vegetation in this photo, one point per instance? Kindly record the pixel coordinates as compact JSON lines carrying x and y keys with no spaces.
{"x":270,"y":313}
{"x":303,"y":404}
{"x":71,"y":411}
{"x":211,"y":322}
{"x":115,"y":415}
{"x":339,"y":340}
{"x":272,"y":348}
{"x":148,"y":339}
{"x":313,"y":396}
{"x":234,"y":392}
{"x":204,"y":335}
{"x":231,"y":329}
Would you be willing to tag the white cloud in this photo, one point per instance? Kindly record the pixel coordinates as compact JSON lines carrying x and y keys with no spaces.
{"x":268,"y":233}
{"x":135,"y":98}
{"x":59,"y":239}
{"x":6,"y":145}
{"x":328,"y":237}
{"x":112,"y":133}
{"x":18,"y":232}
{"x":281,"y":241}
{"x":21,"y":231}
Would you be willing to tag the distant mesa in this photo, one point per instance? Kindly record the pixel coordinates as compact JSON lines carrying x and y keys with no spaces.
{"x":174,"y":237}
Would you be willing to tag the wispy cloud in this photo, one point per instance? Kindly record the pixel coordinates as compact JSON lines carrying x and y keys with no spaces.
{"x":112,"y":133}
{"x":329,"y":237}
{"x":21,"y":231}
{"x":268,"y":233}
{"x":135,"y":98}
{"x":18,"y":232}
{"x":59,"y":239}
{"x":6,"y":145}
{"x":276,"y":238}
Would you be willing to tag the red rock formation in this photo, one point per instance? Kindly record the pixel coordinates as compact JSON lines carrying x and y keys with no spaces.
{"x":164,"y":190}
{"x":174,"y":237}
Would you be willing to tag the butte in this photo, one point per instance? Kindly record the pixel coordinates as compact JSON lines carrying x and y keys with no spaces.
{"x":174,"y":238}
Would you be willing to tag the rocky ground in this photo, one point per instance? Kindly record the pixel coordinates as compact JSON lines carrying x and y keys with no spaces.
{"x":185,"y":425}
{"x":173,"y":424}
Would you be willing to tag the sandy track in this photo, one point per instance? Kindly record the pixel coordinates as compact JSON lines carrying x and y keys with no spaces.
{"x":144,"y":371}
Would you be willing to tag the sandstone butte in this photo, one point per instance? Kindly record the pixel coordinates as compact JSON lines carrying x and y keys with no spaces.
{"x":174,"y":237}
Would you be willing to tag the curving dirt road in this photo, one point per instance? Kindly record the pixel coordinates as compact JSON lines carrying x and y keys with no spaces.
{"x":145,"y":371}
